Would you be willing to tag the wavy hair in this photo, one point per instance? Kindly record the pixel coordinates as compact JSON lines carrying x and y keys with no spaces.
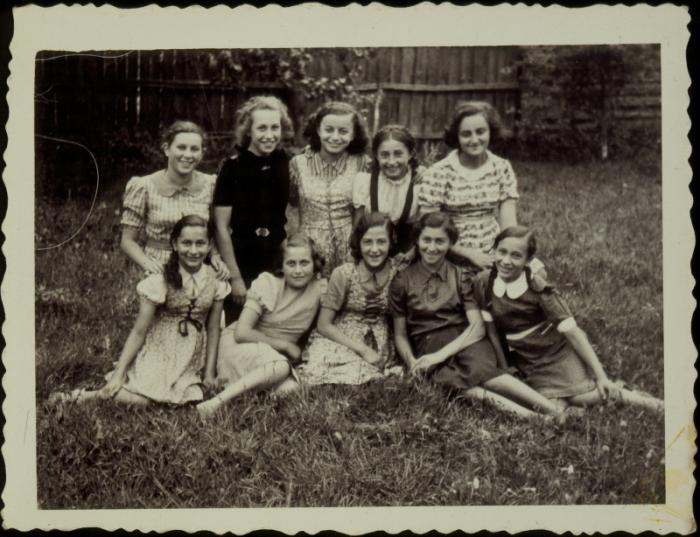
{"x":244,"y":118}
{"x":472,"y":108}
{"x":435,"y":219}
{"x":360,"y":139}
{"x":299,"y":240}
{"x":400,"y":134}
{"x":168,"y":135}
{"x":366,"y":222}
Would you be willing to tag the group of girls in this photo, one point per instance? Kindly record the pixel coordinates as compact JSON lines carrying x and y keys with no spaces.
{"x":394,"y":268}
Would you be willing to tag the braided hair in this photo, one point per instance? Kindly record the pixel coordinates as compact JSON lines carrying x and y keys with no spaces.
{"x":518,"y":232}
{"x":172,"y":267}
{"x":400,"y":134}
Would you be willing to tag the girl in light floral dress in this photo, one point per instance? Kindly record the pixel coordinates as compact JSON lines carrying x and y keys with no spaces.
{"x":352,"y":344}
{"x":321,"y":178}
{"x":176,"y":333}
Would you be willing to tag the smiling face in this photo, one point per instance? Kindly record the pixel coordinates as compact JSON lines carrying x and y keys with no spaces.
{"x":336,"y":132}
{"x":433,"y":245}
{"x":184,"y":153}
{"x":511,"y":257}
{"x":393,"y":158}
{"x":265,"y":131}
{"x":374,"y":247}
{"x":192,"y":247}
{"x":474,"y":135}
{"x":298,"y":266}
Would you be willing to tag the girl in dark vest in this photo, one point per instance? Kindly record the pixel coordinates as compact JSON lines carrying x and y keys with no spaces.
{"x":388,"y":188}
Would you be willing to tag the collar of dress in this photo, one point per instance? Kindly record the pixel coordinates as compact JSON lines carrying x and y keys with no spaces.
{"x":454,"y":162}
{"x":514,"y":289}
{"x":168,"y":189}
{"x":197,"y":279}
{"x":380,"y":277}
{"x":395,"y":183}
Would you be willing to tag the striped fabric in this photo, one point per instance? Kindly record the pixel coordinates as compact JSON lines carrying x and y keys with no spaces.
{"x":153,"y":206}
{"x":470,"y":197}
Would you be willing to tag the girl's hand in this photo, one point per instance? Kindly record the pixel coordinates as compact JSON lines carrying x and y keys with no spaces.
{"x":292,"y":350}
{"x":423,"y":364}
{"x":481,"y":260}
{"x":222,"y":271}
{"x":608,"y":390}
{"x":210,"y":381}
{"x":369,"y":355}
{"x":238,"y":290}
{"x":151,"y":266}
{"x":114,"y":384}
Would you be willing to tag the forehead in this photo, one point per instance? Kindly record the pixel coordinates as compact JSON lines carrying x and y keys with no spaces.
{"x":391,"y":145}
{"x":337,"y":120}
{"x":376,"y":232}
{"x":514,"y":243}
{"x":474,"y":121}
{"x":434,"y":233}
{"x":187,"y":138}
{"x":193,"y":232}
{"x":297,"y":252}
{"x":265,"y":116}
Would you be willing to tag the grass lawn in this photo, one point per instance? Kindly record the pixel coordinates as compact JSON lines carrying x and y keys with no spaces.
{"x":399,"y":442}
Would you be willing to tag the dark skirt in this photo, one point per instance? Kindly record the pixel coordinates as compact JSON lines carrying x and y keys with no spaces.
{"x":468,"y":368}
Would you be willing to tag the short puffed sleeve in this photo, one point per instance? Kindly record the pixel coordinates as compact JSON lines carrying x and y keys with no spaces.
{"x":397,"y":295}
{"x":465,"y":288}
{"x":360,"y":190}
{"x":507,"y":183}
{"x":222,"y":290}
{"x":432,"y":188}
{"x":153,"y":288}
{"x":552,"y":304}
{"x":135,"y":202}
{"x":262,"y":295}
{"x":337,"y":288}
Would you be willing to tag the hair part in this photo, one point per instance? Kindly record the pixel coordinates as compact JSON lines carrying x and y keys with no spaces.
{"x":299,"y":240}
{"x":400,"y":134}
{"x":366,"y":222}
{"x":244,"y":119}
{"x":472,"y":108}
{"x":172,"y":267}
{"x":518,"y":232}
{"x":360,"y":138}
{"x":182,"y":126}
{"x":436,"y":219}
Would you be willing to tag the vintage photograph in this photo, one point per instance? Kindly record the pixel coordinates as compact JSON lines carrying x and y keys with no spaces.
{"x":349,"y":276}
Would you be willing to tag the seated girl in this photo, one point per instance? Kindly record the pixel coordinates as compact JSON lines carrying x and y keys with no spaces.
{"x":544,"y":341}
{"x":256,"y":352}
{"x":438,"y":329}
{"x":352,"y":343}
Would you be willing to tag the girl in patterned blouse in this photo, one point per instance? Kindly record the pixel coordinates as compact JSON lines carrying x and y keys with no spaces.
{"x":544,"y":341}
{"x":176,"y":333}
{"x":153,"y":203}
{"x":476,"y":188}
{"x":322,"y":176}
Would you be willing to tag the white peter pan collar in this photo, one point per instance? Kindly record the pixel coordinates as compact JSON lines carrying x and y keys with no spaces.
{"x":514,"y":289}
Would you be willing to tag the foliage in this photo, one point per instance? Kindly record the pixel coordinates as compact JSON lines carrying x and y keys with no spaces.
{"x":571,"y":96}
{"x":389,"y":443}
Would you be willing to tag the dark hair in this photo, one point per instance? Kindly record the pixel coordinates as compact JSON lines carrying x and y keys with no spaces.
{"x":366,"y":222}
{"x":244,"y":118}
{"x":518,"y":232}
{"x":400,"y":134}
{"x":295,"y":241}
{"x":180,"y":126}
{"x":436,"y":220}
{"x":172,"y":270}
{"x":471,"y":108}
{"x":360,"y":139}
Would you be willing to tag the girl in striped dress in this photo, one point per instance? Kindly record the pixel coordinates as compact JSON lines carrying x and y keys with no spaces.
{"x":321,"y":178}
{"x":154,"y":203}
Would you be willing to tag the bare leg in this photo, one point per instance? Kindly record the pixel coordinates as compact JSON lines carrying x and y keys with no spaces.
{"x":629,"y":397}
{"x":82,"y":396}
{"x":263,"y":377}
{"x":480,"y":394}
{"x":513,"y":388}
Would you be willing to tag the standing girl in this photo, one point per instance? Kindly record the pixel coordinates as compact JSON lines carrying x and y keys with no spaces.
{"x":438,"y":329}
{"x":321,"y":178}
{"x":255,"y":352}
{"x":389,"y":187}
{"x":177,"y":329}
{"x":251,"y":195}
{"x":352,"y":344}
{"x":154,"y":203}
{"x":476,"y":188}
{"x":545,"y":343}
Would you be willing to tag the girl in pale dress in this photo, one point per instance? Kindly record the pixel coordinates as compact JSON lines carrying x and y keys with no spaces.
{"x":257,"y":351}
{"x":321,"y":178}
{"x":176,"y":333}
{"x":389,"y":186}
{"x":153,"y":203}
{"x":476,"y":188}
{"x":352,"y":344}
{"x":544,"y":341}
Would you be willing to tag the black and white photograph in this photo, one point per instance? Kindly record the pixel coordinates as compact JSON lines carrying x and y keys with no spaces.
{"x":337,"y":271}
